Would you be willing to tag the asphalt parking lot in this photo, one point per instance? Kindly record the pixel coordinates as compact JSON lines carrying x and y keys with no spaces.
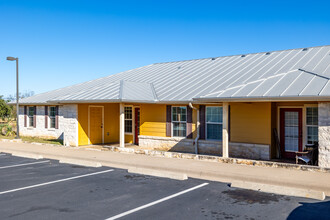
{"x":47,"y":189}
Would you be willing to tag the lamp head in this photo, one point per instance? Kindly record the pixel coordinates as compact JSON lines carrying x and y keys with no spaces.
{"x":11,"y":58}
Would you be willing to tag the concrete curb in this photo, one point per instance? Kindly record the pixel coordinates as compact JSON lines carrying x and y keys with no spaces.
{"x":158,"y":173}
{"x":26,"y":155}
{"x":84,"y":163}
{"x":209,"y":158}
{"x":218,"y":159}
{"x":282,"y":190}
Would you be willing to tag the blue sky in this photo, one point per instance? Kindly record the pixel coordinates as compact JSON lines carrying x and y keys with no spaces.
{"x":60,"y":43}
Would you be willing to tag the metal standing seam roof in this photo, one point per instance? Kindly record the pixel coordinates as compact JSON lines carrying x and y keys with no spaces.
{"x":296,"y":73}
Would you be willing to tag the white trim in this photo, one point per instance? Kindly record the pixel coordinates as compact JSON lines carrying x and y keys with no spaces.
{"x":305,"y":121}
{"x":129,"y":133}
{"x":89,"y":120}
{"x":121,"y":125}
{"x":28,"y":116}
{"x":178,"y":121}
{"x":48,"y":116}
{"x":77,"y":126}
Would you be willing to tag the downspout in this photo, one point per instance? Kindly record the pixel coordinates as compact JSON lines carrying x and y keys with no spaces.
{"x":197,"y":128}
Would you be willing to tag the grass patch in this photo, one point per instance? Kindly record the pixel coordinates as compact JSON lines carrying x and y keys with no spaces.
{"x":35,"y":139}
{"x":6,"y":137}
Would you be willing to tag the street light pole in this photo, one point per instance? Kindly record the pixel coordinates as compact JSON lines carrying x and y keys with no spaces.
{"x":17,"y":95}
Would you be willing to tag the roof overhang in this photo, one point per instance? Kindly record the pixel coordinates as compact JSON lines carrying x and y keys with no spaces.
{"x":264,"y":99}
{"x":117,"y":101}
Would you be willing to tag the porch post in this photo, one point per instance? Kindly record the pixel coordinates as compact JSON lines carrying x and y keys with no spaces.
{"x":121,"y":125}
{"x":225,"y":151}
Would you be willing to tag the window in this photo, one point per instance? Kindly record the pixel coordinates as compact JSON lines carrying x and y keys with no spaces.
{"x":312,"y":125}
{"x":31,"y":116}
{"x":52,"y":116}
{"x":213,"y":123}
{"x":128,"y":120}
{"x":179,"y":121}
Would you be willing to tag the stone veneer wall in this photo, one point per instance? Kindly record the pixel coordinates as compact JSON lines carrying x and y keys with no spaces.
{"x":68,"y":125}
{"x":324,"y":134}
{"x":241,"y":150}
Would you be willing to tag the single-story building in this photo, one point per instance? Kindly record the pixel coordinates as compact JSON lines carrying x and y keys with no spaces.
{"x":258,"y":106}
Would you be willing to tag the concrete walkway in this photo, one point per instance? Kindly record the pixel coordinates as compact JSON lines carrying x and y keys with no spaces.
{"x":278,"y":180}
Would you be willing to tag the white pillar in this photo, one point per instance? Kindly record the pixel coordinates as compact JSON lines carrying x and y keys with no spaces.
{"x":225,"y":151}
{"x":121,"y":125}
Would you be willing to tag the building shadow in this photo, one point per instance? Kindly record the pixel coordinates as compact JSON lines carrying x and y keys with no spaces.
{"x":318,"y":210}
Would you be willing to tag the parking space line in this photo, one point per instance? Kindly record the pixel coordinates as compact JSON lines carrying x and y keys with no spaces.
{"x":24,"y":164}
{"x":56,"y":181}
{"x":156,"y":202}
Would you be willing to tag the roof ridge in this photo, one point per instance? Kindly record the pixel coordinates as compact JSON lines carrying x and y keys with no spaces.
{"x":315,"y":74}
{"x":300,"y":48}
{"x":264,"y":79}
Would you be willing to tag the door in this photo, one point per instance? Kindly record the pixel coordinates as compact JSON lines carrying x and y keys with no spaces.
{"x":137,"y":126}
{"x":96,"y":125}
{"x":291,"y":131}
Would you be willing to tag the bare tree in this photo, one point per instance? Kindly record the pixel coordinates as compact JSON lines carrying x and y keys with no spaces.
{"x":25,"y":94}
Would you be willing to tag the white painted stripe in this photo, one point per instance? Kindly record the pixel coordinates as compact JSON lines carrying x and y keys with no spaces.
{"x":3,"y":154}
{"x":156,"y":202}
{"x":24,"y":164}
{"x":56,"y":181}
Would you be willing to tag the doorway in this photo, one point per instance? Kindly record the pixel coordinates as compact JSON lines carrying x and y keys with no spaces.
{"x":290,"y":131}
{"x":95,"y":125}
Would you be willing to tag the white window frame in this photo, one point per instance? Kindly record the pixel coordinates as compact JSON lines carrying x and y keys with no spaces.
{"x":132,"y":107}
{"x":172,"y":121}
{"x":305,"y":140}
{"x":49,"y":118}
{"x":220,"y":123}
{"x":28,"y":116}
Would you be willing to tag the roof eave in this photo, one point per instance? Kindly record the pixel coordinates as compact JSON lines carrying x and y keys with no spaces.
{"x":263,"y":99}
{"x":117,"y":101}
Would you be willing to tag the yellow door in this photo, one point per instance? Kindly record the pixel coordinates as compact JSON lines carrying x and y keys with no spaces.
{"x":96,"y":125}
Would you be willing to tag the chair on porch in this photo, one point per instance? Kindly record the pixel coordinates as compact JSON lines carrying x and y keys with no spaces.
{"x":309,"y":155}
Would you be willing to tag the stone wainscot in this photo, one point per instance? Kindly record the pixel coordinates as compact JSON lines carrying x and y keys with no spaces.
{"x":67,"y":127}
{"x":238,"y":150}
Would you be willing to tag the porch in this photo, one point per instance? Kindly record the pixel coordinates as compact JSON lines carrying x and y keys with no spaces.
{"x":247,"y":129}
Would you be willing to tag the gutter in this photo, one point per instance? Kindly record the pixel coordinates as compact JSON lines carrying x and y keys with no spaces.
{"x":198,"y":124}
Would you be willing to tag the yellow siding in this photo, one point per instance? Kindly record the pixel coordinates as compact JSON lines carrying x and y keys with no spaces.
{"x":111,"y":123}
{"x":250,"y":123}
{"x":153,"y":120}
{"x":82,"y":124}
{"x":129,"y":138}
